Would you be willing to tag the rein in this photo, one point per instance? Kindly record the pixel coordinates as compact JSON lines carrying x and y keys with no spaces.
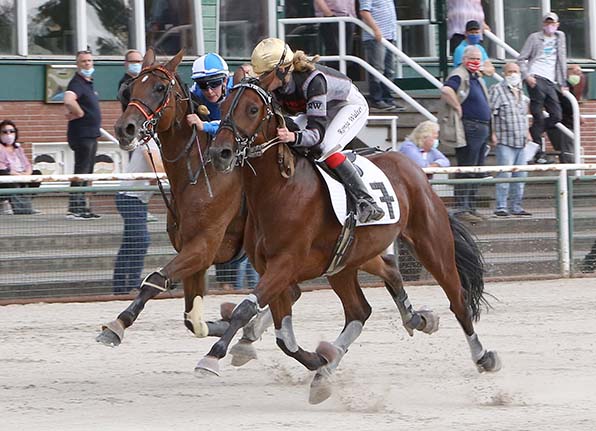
{"x":245,"y":148}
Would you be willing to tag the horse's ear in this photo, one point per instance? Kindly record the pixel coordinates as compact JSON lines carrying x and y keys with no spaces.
{"x":149,"y":58}
{"x":172,"y":65}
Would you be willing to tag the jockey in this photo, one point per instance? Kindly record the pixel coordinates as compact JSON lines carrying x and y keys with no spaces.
{"x":328,"y":112}
{"x":210,"y":74}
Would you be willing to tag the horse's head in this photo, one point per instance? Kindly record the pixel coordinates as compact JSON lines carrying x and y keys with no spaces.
{"x":246,"y":126}
{"x":154,"y":95}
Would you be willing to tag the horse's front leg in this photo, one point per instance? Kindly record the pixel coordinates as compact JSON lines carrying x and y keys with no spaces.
{"x":357,"y":310}
{"x":183,"y":266}
{"x":244,"y":351}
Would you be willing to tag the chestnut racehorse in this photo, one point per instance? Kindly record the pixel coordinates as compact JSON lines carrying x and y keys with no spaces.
{"x":292,"y":232}
{"x":202,"y":229}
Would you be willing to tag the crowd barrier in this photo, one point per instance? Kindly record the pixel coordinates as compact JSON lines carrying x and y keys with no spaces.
{"x":49,"y":256}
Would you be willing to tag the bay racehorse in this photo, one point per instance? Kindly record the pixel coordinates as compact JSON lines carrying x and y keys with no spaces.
{"x":203,"y":230}
{"x":292,"y":232}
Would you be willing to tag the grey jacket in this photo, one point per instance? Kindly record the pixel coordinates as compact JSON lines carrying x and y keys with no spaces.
{"x":533,"y":48}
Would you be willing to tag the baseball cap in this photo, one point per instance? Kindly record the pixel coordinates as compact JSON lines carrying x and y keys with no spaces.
{"x":472,"y":25}
{"x":552,"y":16}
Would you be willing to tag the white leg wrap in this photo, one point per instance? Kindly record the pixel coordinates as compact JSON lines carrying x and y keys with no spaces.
{"x":196,"y":318}
{"x":475,"y":347}
{"x":349,"y":335}
{"x":286,"y":334}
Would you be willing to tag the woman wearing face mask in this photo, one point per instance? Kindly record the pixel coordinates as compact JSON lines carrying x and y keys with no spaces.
{"x":14,"y":161}
{"x":328,"y":112}
{"x":421,"y":146}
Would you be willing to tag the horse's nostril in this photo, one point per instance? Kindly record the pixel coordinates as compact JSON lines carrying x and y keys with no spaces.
{"x":226,"y":154}
{"x":130,"y":130}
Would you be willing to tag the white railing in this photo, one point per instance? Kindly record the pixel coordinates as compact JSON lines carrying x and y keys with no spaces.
{"x":343,"y":57}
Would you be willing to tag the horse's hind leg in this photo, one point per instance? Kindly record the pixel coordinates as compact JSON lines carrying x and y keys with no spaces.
{"x":454,"y":260}
{"x":423,"y":320}
{"x":356,"y":311}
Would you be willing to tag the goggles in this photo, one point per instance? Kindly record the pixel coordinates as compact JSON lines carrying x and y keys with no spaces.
{"x":214,"y":83}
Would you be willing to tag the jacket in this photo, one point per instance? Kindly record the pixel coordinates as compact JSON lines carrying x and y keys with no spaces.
{"x":532,"y":50}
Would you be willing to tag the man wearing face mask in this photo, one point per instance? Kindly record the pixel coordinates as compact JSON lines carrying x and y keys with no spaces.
{"x":84,"y":120}
{"x":543,"y":65}
{"x":473,"y":37}
{"x":133,"y":61}
{"x":510,"y":134}
{"x":465,"y":93}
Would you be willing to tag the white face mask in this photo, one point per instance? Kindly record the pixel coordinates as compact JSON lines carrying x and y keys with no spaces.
{"x":8,"y":139}
{"x":436,"y":144}
{"x":513,"y":80}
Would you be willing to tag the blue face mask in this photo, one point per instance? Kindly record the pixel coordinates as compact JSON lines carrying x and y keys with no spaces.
{"x":87,"y":73}
{"x":134,"y":68}
{"x":474,"y":39}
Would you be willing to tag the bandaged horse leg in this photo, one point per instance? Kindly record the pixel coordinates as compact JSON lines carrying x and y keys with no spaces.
{"x":112,"y":333}
{"x":357,"y":310}
{"x":423,"y":320}
{"x":242,"y":314}
{"x":243,"y":351}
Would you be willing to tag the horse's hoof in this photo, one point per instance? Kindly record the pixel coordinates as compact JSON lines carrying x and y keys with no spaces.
{"x":226,"y":309}
{"x":328,"y":351}
{"x":112,"y":334}
{"x":490,"y":362}
{"x":207,"y":366}
{"x":242,"y":352}
{"x":320,"y":388}
{"x":431,"y":321}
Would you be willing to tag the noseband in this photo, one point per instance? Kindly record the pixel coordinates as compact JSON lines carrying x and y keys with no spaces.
{"x":244,"y":141}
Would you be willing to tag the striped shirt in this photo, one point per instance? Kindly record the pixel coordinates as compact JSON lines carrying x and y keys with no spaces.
{"x":510,"y":115}
{"x":383,"y":12}
{"x":459,"y":12}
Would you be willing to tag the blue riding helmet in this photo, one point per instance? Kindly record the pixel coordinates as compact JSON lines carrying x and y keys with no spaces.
{"x":209,"y":67}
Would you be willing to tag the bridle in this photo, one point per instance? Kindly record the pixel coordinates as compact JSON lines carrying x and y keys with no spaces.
{"x":245,"y":148}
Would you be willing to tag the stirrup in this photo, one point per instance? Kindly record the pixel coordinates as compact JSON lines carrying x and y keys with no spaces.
{"x":368,"y":211}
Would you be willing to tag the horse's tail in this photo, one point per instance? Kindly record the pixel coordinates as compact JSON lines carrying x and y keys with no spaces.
{"x":470,"y":266}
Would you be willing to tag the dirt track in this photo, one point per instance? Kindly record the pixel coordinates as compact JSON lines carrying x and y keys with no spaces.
{"x":54,"y":376}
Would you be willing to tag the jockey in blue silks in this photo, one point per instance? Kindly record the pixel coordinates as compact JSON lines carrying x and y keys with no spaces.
{"x":212,"y":82}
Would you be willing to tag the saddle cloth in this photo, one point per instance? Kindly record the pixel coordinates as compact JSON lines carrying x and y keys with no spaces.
{"x":378,"y":186}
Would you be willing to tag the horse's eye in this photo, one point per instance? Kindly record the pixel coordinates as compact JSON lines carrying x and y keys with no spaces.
{"x":253,"y":110}
{"x":160,"y":88}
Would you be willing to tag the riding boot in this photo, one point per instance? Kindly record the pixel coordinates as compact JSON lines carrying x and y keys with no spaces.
{"x":368,"y":210}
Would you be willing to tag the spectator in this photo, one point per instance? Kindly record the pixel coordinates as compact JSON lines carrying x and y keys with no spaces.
{"x":133,"y":61}
{"x":14,"y":161}
{"x":459,"y":12}
{"x":84,"y":120}
{"x":510,"y":134}
{"x":246,"y":277}
{"x":589,"y":262}
{"x":473,"y":37}
{"x":380,"y":15}
{"x":543,"y":65}
{"x":465,"y":93}
{"x":329,"y":32}
{"x":560,"y":141}
{"x":132,"y":206}
{"x":421,"y":146}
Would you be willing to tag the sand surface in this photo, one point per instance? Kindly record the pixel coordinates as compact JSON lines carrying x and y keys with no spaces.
{"x":54,"y":376}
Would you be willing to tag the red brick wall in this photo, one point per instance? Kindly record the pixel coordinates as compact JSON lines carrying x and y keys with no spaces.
{"x":45,"y":122}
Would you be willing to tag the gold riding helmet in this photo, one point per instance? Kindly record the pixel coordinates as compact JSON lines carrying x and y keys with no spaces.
{"x":271,"y":54}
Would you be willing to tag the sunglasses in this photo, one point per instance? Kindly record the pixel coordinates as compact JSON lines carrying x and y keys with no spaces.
{"x":204,"y":85}
{"x":9,"y":132}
